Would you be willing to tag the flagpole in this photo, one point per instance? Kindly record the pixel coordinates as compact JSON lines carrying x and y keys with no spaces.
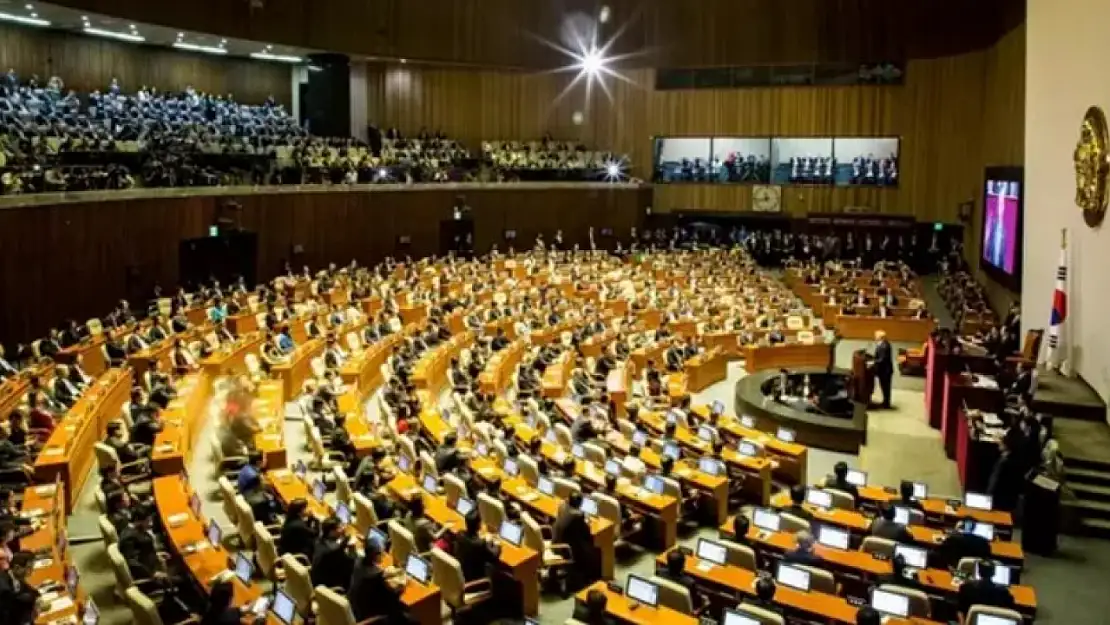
{"x":1059,"y":309}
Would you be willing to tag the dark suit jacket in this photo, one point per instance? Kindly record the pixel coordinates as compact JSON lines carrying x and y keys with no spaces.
{"x":890,"y":530}
{"x":17,"y":600}
{"x":297,"y":537}
{"x":572,"y":529}
{"x":884,"y":360}
{"x":447,"y":459}
{"x":984,"y":592}
{"x":960,"y":545}
{"x":473,"y":554}
{"x":806,"y":558}
{"x":145,"y":430}
{"x":371,"y":596}
{"x":845,"y":487}
{"x":331,"y":565}
{"x":140,"y":551}
{"x":227,"y":616}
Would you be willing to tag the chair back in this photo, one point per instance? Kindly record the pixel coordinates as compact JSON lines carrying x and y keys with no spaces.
{"x":793,"y":524}
{"x":492,"y":512}
{"x":763,"y":615}
{"x":876,"y":545}
{"x":342,"y":485}
{"x":500,"y":450}
{"x":352,"y":342}
{"x":265,"y":551}
{"x":119,"y":567}
{"x":529,"y":470}
{"x":332,"y":608}
{"x":298,"y":583}
{"x":319,"y":452}
{"x":967,"y":567}
{"x":95,"y":327}
{"x":246,"y":522}
{"x":741,"y":556}
{"x":821,"y":580}
{"x":533,"y":535}
{"x":429,"y":464}
{"x":448,"y":575}
{"x":841,"y":500}
{"x":564,"y":487}
{"x":142,"y":608}
{"x":608,"y":508}
{"x":107,"y":531}
{"x":318,"y":367}
{"x":106,"y":456}
{"x":365,"y":516}
{"x":976,"y":611}
{"x":626,"y":428}
{"x":101,"y":501}
{"x":563,"y":436}
{"x":254,"y":367}
{"x":407,"y":448}
{"x":919,"y":601}
{"x":401,"y":543}
{"x":673,"y":596}
{"x":671,"y":488}
{"x":1031,"y":346}
{"x":227,"y":492}
{"x":453,"y":489}
{"x":595,"y":453}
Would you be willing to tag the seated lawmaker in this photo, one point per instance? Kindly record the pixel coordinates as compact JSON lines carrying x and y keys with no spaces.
{"x":374,"y":590}
{"x":884,"y":526}
{"x":473,"y":551}
{"x":961,"y":543}
{"x":983,"y":591}
{"x":803,"y":553}
{"x":675,"y":571}
{"x":840,"y":481}
{"x":299,"y":532}
{"x":332,"y":562}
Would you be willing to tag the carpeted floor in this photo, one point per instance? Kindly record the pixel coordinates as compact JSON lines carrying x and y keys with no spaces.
{"x":901,"y":444}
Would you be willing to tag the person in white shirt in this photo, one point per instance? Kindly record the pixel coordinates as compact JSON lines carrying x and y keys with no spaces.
{"x":632,"y":463}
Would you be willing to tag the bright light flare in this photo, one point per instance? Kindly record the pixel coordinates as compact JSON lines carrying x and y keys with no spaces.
{"x":590,"y":61}
{"x":614,"y":171}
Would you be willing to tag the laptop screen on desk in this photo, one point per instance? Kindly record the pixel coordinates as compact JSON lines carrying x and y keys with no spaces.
{"x":612,"y":467}
{"x":986,"y":530}
{"x":717,"y":408}
{"x":793,"y":577}
{"x":766,"y":519}
{"x":92,"y":613}
{"x":642,"y":590}
{"x":832,"y":537}
{"x":1002,"y":574}
{"x":243,"y":569}
{"x":920,"y":491}
{"x":417,"y":569}
{"x":914,"y":557}
{"x":464,"y":506}
{"x":732,"y":617}
{"x":709,"y":466}
{"x":747,"y":448}
{"x":705,"y":434}
{"x":990,"y":619}
{"x":819,"y":498}
{"x":430,"y":484}
{"x":510,"y":467}
{"x":214,"y":534}
{"x":318,"y":490}
{"x":978,"y":501}
{"x":712,"y":551}
{"x":890,"y":603}
{"x":856,"y":478}
{"x":578,"y":451}
{"x":589,"y":506}
{"x":785,"y":435}
{"x":639,"y":437}
{"x":546,"y":486}
{"x":283,"y":608}
{"x":654,"y":483}
{"x":511,"y":532}
{"x":343,"y":513}
{"x":747,"y":421}
{"x":902,"y":515}
{"x":670,"y":450}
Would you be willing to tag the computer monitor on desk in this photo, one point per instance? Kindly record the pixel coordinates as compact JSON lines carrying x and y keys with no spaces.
{"x":890,"y":603}
{"x":991,"y":619}
{"x":642,"y":591}
{"x":417,"y":568}
{"x":243,"y":569}
{"x":792,"y":576}
{"x":832,"y":537}
{"x":712,"y":551}
{"x":766,"y":519}
{"x":819,"y":498}
{"x":913,"y":556}
{"x":856,"y":478}
{"x":214,"y":534}
{"x":978,"y":501}
{"x":732,"y":617}
{"x":283,"y":608}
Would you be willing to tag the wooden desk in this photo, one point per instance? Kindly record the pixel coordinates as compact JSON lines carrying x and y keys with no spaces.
{"x":268,"y":410}
{"x":69,"y":452}
{"x":498,"y":373}
{"x":48,"y":504}
{"x":187,"y":539}
{"x":904,"y":329}
{"x":652,"y":353}
{"x":621,"y":608}
{"x":960,"y":390}
{"x":182,"y":421}
{"x":421,"y":602}
{"x":231,"y":359}
{"x":430,"y":372}
{"x":791,"y":458}
{"x":1009,"y":552}
{"x":939,"y":510}
{"x":619,"y":386}
{"x":547,"y":508}
{"x":522,"y":563}
{"x":243,"y":323}
{"x":363,"y":371}
{"x":293,"y":373}
{"x":557,"y":375}
{"x":785,"y":356}
{"x":594,"y":346}
{"x":90,"y":352}
{"x":705,"y":370}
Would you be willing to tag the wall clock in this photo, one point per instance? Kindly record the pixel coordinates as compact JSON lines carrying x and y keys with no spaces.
{"x":767,"y":198}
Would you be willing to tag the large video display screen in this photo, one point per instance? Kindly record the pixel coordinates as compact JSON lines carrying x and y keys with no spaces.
{"x":869,"y":161}
{"x":802,"y":160}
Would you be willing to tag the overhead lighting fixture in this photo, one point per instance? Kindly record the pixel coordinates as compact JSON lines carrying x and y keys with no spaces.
{"x":180,"y":35}
{"x":22,"y":19}
{"x":35,"y":15}
{"x":603,"y":16}
{"x":192,"y":47}
{"x":403,"y":61}
{"x":111,"y":34}
{"x":285,"y":58}
{"x":30,"y":8}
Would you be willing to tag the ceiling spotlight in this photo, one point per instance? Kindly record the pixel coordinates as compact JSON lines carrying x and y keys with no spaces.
{"x":29,"y":7}
{"x":269,"y":47}
{"x":403,"y":61}
{"x":100,"y":32}
{"x":614,"y":171}
{"x":180,"y":35}
{"x":21,"y":19}
{"x":132,"y":27}
{"x":383,"y":173}
{"x":192,"y":47}
{"x":603,"y":16}
{"x":285,"y":58}
{"x":223,"y":41}
{"x":592,"y":62}
{"x":34,"y":15}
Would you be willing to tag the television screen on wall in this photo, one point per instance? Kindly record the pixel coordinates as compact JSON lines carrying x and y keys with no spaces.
{"x":802,"y":160}
{"x":1001,"y":232}
{"x":867,"y":161}
{"x":742,"y":159}
{"x":682,"y":159}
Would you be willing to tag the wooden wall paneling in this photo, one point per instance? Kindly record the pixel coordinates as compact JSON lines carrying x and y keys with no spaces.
{"x":88,"y":63}
{"x":75,"y":260}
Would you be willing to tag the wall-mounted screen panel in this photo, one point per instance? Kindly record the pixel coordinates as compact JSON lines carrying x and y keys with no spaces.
{"x":867,"y":161}
{"x":682,"y":159}
{"x":742,"y":159}
{"x":802,"y":160}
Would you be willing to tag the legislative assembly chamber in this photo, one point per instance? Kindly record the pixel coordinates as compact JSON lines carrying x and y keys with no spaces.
{"x":594,"y":312}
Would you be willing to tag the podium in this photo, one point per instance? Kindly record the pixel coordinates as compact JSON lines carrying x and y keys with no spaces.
{"x":861,"y":384}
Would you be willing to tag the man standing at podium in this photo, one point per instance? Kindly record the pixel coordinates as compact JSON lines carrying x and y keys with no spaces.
{"x":883,"y":365}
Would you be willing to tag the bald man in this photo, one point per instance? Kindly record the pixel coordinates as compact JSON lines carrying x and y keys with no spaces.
{"x":884,"y":365}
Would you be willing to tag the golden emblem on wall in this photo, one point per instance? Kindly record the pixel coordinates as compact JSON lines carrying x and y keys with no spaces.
{"x":1092,"y":166}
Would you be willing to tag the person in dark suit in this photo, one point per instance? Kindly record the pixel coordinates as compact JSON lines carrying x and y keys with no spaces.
{"x":572,"y":529}
{"x":868,"y":615}
{"x":884,"y":526}
{"x":897,"y":575}
{"x":803,"y":553}
{"x":905,"y":496}
{"x":371,"y":592}
{"x":139,"y":547}
{"x":7,"y":369}
{"x":1007,"y":477}
{"x":961,"y":543}
{"x":448,"y":457}
{"x":220,"y":611}
{"x":797,"y":499}
{"x":18,"y":598}
{"x":145,"y":428}
{"x":424,"y":532}
{"x":675,"y":571}
{"x":473,"y":551}
{"x":740,"y":527}
{"x":126,"y":452}
{"x":592,"y":611}
{"x":983,"y":591}
{"x":884,"y":365}
{"x":840,"y":481}
{"x":331,"y":562}
{"x":299,"y":532}
{"x":765,"y":595}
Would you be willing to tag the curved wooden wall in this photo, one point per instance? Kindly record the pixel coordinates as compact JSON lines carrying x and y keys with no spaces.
{"x":76,"y":259}
{"x":949,"y":115}
{"x":88,"y":63}
{"x":666,"y":33}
